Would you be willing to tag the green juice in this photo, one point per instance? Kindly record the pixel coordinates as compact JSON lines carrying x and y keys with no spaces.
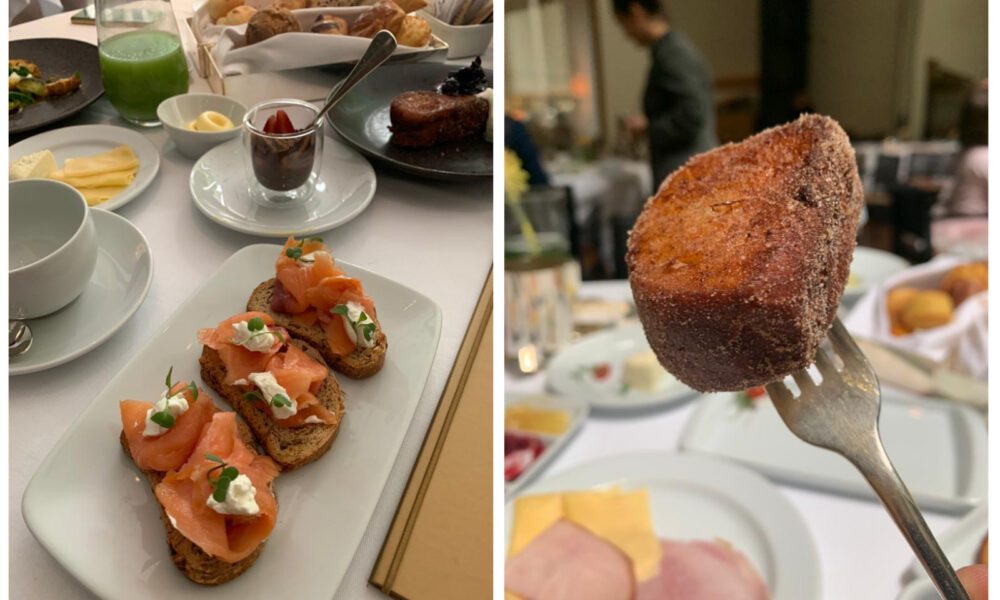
{"x":140,"y":69}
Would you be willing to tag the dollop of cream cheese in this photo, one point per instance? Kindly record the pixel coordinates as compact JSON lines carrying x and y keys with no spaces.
{"x":254,"y":341}
{"x":211,"y":121}
{"x":269,"y":388}
{"x":487,"y":95}
{"x":240,"y":498}
{"x":311,"y":257}
{"x":313,"y":419}
{"x":176,"y":405}
{"x":353,"y":327}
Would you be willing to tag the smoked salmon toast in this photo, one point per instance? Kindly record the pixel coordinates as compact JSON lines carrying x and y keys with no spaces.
{"x":217,"y":503}
{"x":316,"y":302}
{"x":280,"y":386}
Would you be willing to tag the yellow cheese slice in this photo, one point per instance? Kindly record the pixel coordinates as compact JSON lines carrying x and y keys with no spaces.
{"x":622,"y":518}
{"x":97,"y":195}
{"x":119,"y":159}
{"x":113,"y":179}
{"x":547,"y":421}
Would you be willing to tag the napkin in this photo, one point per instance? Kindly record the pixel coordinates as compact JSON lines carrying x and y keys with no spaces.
{"x":960,"y":346}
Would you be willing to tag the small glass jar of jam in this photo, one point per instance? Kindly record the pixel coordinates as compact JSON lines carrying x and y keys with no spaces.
{"x":283,"y":154}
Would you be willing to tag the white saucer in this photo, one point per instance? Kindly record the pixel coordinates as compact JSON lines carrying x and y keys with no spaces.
{"x":700,"y":498}
{"x":220,"y":191}
{"x":86,"y":140}
{"x":120,"y":283}
{"x":569,"y":373}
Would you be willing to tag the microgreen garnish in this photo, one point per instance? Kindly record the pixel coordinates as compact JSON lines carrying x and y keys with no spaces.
{"x":317,"y":240}
{"x":163,"y":419}
{"x":255,"y":324}
{"x":193,"y":388}
{"x":340,"y":309}
{"x":253,"y":396}
{"x":294,"y":253}
{"x":368,"y":330}
{"x":220,"y":485}
{"x":167,"y":380}
{"x":623,"y":389}
{"x":279,"y":400}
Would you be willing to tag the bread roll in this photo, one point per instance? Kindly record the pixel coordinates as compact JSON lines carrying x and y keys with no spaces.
{"x":966,"y":280}
{"x":383,"y":15}
{"x":291,"y":4}
{"x":414,"y":32}
{"x":219,"y":8}
{"x":329,"y":25}
{"x":927,"y":309}
{"x":268,"y":23}
{"x":238,"y":16}
{"x":737,"y":264}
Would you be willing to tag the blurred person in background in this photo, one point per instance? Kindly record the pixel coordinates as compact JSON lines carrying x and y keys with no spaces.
{"x":517,"y":138}
{"x":969,"y":198}
{"x":679,"y":118}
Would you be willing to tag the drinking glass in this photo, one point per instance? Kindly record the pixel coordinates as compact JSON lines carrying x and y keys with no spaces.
{"x":142,"y":59}
{"x":541,"y":277}
{"x":282,"y":168}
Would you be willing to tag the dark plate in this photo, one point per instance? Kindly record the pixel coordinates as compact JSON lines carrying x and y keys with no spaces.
{"x":57,"y":57}
{"x":362,"y":119}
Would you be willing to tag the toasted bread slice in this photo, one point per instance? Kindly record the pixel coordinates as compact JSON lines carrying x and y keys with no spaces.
{"x":188,"y":557}
{"x":360,"y":364}
{"x":290,"y":447}
{"x":738,"y":263}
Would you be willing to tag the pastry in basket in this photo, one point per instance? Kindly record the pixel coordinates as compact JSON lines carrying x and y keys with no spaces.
{"x":316,"y":302}
{"x":268,"y":23}
{"x":330,"y":25}
{"x":279,"y":386}
{"x":737,"y":264}
{"x":237,"y":16}
{"x":220,"y":8}
{"x":456,"y":111}
{"x":966,"y":280}
{"x":414,"y":32}
{"x":290,"y":4}
{"x":385,"y":14}
{"x":213,"y":489}
{"x":334,"y":3}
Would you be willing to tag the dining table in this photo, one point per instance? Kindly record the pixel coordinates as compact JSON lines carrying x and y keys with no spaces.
{"x":862,"y":554}
{"x":444,"y":227}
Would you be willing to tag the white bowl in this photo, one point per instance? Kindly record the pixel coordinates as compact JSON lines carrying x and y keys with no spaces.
{"x":463,"y":40}
{"x":52,"y":247}
{"x":177,"y":112}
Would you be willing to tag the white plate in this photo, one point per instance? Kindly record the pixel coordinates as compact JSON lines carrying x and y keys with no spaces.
{"x":86,"y":140}
{"x":221,"y":192}
{"x":553,"y":443}
{"x":938,"y":448}
{"x":568,"y":373}
{"x":961,"y":544}
{"x":117,"y":289}
{"x":697,"y":497}
{"x":90,"y":509}
{"x":871,"y":267}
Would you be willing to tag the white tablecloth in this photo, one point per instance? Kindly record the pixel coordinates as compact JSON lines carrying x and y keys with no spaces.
{"x":862,"y":554}
{"x":390,"y":238}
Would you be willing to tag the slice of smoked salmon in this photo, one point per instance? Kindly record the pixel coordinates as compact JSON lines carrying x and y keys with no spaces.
{"x":336,"y":334}
{"x":184,"y":494}
{"x":297,"y":276}
{"x":296,"y":372}
{"x":239,"y":361}
{"x":314,"y":410}
{"x":168,"y":451}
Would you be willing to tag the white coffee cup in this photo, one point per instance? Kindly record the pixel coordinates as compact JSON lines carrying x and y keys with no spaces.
{"x":53,"y":246}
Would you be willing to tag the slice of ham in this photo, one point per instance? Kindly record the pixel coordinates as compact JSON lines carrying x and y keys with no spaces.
{"x":703,"y":570}
{"x":567,"y":562}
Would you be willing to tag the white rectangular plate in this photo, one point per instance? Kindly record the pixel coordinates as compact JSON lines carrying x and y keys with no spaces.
{"x":938,"y":448}
{"x":91,"y":509}
{"x":554,"y":444}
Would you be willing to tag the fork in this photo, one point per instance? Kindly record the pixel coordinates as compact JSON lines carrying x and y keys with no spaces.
{"x":840,"y":413}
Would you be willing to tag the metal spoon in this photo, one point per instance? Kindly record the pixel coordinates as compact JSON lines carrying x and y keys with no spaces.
{"x":379,"y":50}
{"x":18,"y":338}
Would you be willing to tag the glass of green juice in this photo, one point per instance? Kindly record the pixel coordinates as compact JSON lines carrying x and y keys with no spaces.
{"x":142,"y":59}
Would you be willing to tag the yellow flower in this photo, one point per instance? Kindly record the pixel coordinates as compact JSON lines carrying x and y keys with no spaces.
{"x":515,"y":177}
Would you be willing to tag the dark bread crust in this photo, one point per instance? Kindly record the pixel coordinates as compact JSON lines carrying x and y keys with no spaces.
{"x":290,"y":447}
{"x":360,"y":364}
{"x":188,"y":557}
{"x":421,"y":119}
{"x":737,"y":264}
